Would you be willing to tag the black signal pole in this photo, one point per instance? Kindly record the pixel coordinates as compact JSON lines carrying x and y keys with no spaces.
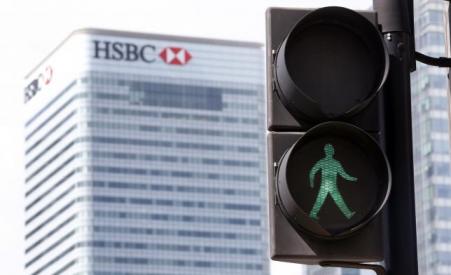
{"x":396,"y":20}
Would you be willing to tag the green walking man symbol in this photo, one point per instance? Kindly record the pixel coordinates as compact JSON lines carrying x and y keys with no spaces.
{"x":330,"y":168}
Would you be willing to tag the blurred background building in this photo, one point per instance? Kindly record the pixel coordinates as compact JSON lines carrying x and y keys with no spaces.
{"x":317,"y":270}
{"x":430,"y":114}
{"x":144,"y":156}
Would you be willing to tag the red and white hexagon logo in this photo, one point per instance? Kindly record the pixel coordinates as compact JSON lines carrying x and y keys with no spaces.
{"x":46,"y":76}
{"x":175,"y":56}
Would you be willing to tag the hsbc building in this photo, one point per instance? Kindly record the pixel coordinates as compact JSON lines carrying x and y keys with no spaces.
{"x":144,"y":157}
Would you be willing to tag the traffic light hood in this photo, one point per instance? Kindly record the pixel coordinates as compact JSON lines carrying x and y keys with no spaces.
{"x":331,"y":65}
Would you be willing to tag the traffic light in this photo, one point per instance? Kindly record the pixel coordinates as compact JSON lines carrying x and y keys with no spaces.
{"x":329,"y":177}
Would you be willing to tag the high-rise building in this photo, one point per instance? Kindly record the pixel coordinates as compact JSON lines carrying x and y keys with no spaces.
{"x":317,"y":270}
{"x":145,"y":156}
{"x":430,"y":112}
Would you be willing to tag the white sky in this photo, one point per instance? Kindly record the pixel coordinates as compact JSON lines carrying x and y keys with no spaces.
{"x":29,"y":30}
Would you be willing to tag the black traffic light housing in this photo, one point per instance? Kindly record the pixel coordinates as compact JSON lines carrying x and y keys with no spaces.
{"x":338,"y":46}
{"x":311,"y":53}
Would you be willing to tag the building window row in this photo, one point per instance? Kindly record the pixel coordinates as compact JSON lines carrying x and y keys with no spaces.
{"x":167,"y":115}
{"x":130,"y":112}
{"x":171,"y":115}
{"x":431,"y":38}
{"x":50,"y":234}
{"x":443,"y":191}
{"x":170,"y":247}
{"x":164,"y":86}
{"x":441,"y":213}
{"x":52,"y":116}
{"x":53,"y":188}
{"x":170,"y":203}
{"x":50,"y":248}
{"x":439,"y":103}
{"x":138,"y":171}
{"x":121,"y":215}
{"x":172,"y":101}
{"x":171,"y":173}
{"x":431,"y":17}
{"x":124,"y":273}
{"x":437,"y":81}
{"x":440,"y":146}
{"x":439,"y":125}
{"x":51,"y":145}
{"x":61,"y":211}
{"x":51,"y":131}
{"x":152,"y":232}
{"x":170,"y":144}
{"x":54,"y":260}
{"x":51,"y":160}
{"x":140,"y":142}
{"x":438,"y":169}
{"x":168,"y":188}
{"x":444,"y":258}
{"x":176,"y":233}
{"x":50,"y":204}
{"x":173,"y":262}
{"x":65,"y":267}
{"x":48,"y":105}
{"x":55,"y":157}
{"x":441,"y":236}
{"x":51,"y":174}
{"x":143,"y":216}
{"x":165,"y":129}
{"x":173,"y":159}
{"x":176,"y":96}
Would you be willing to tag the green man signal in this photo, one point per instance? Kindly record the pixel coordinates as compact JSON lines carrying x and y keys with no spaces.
{"x":330,"y":168}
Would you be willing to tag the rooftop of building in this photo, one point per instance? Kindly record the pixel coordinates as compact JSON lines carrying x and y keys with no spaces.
{"x":131,"y":34}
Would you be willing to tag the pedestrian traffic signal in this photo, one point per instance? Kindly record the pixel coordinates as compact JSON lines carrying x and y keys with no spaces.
{"x":329,"y":177}
{"x":332,"y":181}
{"x":331,"y":65}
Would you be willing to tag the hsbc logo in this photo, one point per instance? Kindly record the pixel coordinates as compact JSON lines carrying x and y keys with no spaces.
{"x":175,"y":56}
{"x":147,"y":53}
{"x":36,"y":85}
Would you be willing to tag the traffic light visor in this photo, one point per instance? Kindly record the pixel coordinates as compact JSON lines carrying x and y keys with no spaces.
{"x":331,"y":65}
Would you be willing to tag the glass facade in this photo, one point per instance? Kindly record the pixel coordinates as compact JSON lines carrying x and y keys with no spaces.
{"x":317,"y":270}
{"x":430,"y":111}
{"x":146,"y":168}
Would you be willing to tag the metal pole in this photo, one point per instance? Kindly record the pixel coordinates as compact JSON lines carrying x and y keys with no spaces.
{"x":396,"y":16}
{"x":396,"y":20}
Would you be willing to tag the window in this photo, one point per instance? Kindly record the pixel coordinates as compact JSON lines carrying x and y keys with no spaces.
{"x":440,"y":146}
{"x":439,"y":125}
{"x":439,"y":103}
{"x":432,"y":39}
{"x":177,"y":96}
{"x":443,"y":191}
